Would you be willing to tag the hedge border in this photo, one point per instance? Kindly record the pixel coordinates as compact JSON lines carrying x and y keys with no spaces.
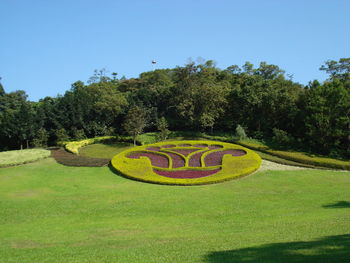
{"x":141,"y":169}
{"x":300,"y":157}
{"x":73,"y":147}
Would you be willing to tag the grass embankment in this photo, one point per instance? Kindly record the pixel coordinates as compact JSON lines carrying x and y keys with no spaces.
{"x":17,"y":157}
{"x":53,"y":213}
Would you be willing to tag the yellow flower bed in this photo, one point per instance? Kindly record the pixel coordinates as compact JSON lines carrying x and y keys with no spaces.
{"x":143,"y":169}
{"x":73,"y":147}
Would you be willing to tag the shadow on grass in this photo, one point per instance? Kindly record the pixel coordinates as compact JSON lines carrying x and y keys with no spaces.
{"x":339,"y":204}
{"x":332,"y":249}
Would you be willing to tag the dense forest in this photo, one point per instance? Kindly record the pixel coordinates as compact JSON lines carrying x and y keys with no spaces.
{"x":267,"y":103}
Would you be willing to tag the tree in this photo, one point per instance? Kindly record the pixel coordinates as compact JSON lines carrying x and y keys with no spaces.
{"x":135,"y":122}
{"x":162,"y":126}
{"x":337,"y":69}
{"x":78,"y":134}
{"x":325,"y":113}
{"x":2,"y":91}
{"x":61,"y":135}
{"x":41,"y":138}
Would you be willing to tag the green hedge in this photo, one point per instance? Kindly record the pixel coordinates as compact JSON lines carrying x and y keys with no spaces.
{"x":74,"y":146}
{"x":300,"y":157}
{"x":11,"y":158}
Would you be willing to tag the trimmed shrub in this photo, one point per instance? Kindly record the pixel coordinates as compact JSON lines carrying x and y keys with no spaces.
{"x":73,"y":147}
{"x":186,"y":162}
{"x":240,"y":133}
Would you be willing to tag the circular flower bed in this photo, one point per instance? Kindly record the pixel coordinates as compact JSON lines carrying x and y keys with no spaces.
{"x":186,"y":162}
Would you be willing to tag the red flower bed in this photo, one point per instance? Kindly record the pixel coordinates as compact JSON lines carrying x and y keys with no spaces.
{"x":215,"y":158}
{"x":156,"y":159}
{"x":187,"y":173}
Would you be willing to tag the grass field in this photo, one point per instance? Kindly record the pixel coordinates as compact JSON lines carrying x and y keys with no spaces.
{"x":107,"y":151}
{"x":53,"y":213}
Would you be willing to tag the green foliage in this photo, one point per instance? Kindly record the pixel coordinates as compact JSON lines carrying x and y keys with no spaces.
{"x":162,"y":126}
{"x":338,"y":69}
{"x":196,"y":97}
{"x":41,"y":138}
{"x":240,"y":133}
{"x":61,"y":135}
{"x":11,"y":158}
{"x":281,"y":138}
{"x":135,"y":122}
{"x":326,"y":117}
{"x":78,"y":134}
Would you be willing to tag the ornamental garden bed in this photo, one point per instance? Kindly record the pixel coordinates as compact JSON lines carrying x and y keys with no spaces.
{"x":63,"y":157}
{"x":186,"y":162}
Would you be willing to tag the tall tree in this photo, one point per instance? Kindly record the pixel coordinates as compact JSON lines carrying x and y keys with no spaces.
{"x":135,"y":122}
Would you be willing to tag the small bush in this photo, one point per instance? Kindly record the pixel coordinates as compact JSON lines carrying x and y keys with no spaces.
{"x":162,"y":126}
{"x":240,"y":133}
{"x":282,"y":138}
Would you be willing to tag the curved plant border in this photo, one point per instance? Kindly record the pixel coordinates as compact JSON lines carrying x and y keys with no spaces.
{"x":170,"y":162}
{"x":69,"y":159}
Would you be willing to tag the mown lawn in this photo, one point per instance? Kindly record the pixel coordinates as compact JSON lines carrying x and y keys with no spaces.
{"x":53,"y":213}
{"x":101,"y":150}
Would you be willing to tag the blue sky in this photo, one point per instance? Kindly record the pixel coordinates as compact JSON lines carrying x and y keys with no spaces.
{"x":45,"y":45}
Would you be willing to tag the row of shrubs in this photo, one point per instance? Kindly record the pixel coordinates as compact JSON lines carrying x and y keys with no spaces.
{"x":74,"y":146}
{"x":300,"y":157}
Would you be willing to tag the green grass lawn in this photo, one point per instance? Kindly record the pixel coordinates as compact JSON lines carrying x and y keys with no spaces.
{"x":53,"y":213}
{"x":106,"y":151}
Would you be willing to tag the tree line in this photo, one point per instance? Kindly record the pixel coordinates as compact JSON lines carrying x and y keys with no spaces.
{"x":263,"y":100}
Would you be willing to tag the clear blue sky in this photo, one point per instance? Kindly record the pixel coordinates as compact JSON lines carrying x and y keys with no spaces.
{"x":45,"y":45}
